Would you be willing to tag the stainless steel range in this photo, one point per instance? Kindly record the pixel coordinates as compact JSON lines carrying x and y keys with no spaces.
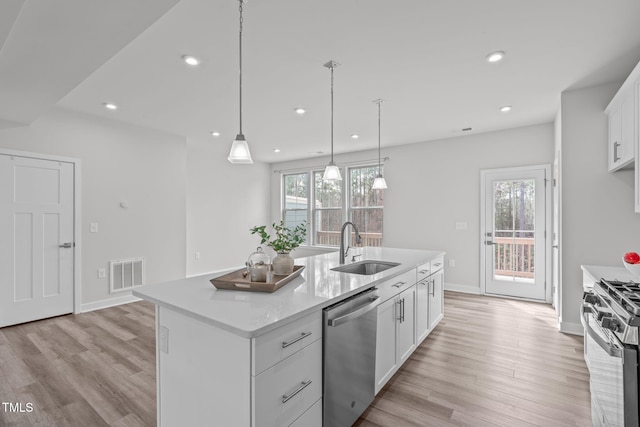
{"x":611,"y":317}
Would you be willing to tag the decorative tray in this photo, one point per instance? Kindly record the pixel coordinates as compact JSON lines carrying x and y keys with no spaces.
{"x":238,"y":282}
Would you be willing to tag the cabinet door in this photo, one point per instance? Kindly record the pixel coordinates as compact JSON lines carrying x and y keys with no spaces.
{"x":405,"y":321}
{"x":637,"y":149}
{"x":385,"y":343}
{"x":622,"y":132}
{"x":615,"y":135}
{"x":436,"y":299}
{"x":422,"y":309}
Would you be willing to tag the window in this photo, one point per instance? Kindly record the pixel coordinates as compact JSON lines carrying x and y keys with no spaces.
{"x":296,"y":200}
{"x":327,"y":205}
{"x":366,"y":205}
{"x":327,"y":211}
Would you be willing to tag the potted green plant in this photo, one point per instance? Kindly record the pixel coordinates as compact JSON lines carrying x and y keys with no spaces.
{"x":283,"y":242}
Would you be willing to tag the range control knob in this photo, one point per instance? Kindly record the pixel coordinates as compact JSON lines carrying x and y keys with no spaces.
{"x":611,"y":324}
{"x":590,"y":298}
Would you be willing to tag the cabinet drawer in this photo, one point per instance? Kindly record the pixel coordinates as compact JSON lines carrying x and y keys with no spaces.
{"x":274,"y":346}
{"x":397,"y":284}
{"x":424,"y":271}
{"x":311,"y":418}
{"x":285,"y":391}
{"x":437,"y":264}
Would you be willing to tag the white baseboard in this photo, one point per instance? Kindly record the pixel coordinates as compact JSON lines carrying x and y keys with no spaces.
{"x":571,"y":328}
{"x":462,"y":288}
{"x":105,"y":303}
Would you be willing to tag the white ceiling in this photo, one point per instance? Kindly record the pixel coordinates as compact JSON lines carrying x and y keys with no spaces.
{"x":425,"y":58}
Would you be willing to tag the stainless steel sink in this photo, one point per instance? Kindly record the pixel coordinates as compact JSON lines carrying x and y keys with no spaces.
{"x":366,"y":267}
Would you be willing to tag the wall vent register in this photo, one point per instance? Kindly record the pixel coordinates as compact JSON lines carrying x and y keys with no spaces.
{"x":125,"y":274}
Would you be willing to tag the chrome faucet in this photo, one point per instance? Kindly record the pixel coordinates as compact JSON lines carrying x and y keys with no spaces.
{"x":344,"y":253}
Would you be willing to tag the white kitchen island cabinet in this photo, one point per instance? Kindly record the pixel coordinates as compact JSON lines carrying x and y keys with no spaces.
{"x":253,"y":359}
{"x":429,"y":297}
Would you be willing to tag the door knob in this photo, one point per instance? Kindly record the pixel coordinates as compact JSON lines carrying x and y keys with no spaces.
{"x":67,"y":245}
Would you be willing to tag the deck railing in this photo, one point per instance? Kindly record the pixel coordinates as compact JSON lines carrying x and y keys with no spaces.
{"x":514,"y":256}
{"x":332,"y":238}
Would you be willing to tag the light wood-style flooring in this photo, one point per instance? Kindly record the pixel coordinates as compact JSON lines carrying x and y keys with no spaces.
{"x":490,"y":362}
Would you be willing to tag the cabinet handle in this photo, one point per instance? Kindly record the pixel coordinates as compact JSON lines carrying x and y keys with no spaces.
{"x":401,"y":309}
{"x":303,"y":385}
{"x":615,"y":151}
{"x":424,"y":271}
{"x":433,"y":287}
{"x":438,"y":264}
{"x":302,"y":336}
{"x":399,"y":284}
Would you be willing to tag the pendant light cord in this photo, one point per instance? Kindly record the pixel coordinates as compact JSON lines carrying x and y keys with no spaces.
{"x":240,"y":63}
{"x":379,"y":161}
{"x":331,"y":113}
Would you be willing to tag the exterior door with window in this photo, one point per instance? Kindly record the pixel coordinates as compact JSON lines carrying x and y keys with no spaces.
{"x":36,"y":239}
{"x":514,"y":232}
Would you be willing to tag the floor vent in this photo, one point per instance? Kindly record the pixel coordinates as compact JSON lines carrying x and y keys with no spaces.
{"x":125,"y":274}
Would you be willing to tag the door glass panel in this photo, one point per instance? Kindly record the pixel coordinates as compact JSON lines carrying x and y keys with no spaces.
{"x":514,"y":231}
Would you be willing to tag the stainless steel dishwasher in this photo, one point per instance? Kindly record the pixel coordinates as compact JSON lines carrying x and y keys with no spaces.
{"x":349,"y":358}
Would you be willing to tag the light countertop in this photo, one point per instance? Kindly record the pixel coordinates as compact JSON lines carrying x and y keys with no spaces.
{"x":596,"y":272}
{"x":250,"y":314}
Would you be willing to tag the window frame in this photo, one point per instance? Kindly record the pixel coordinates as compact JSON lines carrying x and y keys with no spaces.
{"x":346,"y":208}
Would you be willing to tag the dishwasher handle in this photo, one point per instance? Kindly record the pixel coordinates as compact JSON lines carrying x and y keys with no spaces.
{"x":374,"y":302}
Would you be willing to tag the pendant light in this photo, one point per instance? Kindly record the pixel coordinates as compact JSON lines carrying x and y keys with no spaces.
{"x":240,"y":149}
{"x":331,"y":172}
{"x":379,"y":183}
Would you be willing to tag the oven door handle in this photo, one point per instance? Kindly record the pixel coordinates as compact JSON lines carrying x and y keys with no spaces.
{"x":610,"y":349}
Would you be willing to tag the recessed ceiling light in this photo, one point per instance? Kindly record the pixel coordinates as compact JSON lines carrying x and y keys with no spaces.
{"x":215,"y":133}
{"x":191,"y":60}
{"x":276,"y":150}
{"x":505,"y":109}
{"x":355,"y":136}
{"x":110,"y":106}
{"x":495,"y":56}
{"x":300,"y":110}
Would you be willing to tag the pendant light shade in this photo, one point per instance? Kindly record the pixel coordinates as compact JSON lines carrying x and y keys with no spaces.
{"x":331,"y":172}
{"x":240,"y":149}
{"x":379,"y":183}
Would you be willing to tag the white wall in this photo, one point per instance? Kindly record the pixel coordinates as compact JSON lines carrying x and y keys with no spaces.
{"x":223,"y":202}
{"x":119,"y":162}
{"x":433,"y":185}
{"x":598,"y":220}
{"x":183,"y":197}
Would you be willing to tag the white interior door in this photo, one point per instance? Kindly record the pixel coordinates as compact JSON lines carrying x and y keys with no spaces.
{"x":514,"y":232}
{"x":36,"y":239}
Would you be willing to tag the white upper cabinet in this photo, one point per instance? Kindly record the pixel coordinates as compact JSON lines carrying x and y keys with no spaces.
{"x":622,"y":115}
{"x":624,"y":129}
{"x":637,"y":142}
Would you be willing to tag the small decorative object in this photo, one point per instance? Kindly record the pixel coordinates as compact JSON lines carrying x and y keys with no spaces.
{"x":282,"y":264}
{"x":631,"y":261}
{"x":283,"y":243}
{"x":258,"y":265}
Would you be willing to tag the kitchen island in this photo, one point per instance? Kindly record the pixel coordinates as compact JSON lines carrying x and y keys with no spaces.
{"x":242,"y":358}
